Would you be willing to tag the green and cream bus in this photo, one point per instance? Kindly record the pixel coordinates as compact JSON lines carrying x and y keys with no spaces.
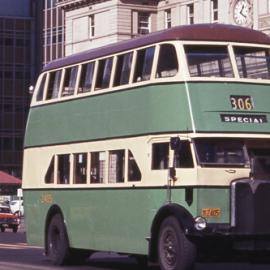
{"x":157,"y":147}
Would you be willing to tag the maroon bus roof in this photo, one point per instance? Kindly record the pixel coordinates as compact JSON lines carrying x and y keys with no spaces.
{"x":195,"y":32}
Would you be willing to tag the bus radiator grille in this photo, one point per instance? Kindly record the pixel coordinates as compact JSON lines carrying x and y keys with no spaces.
{"x":251,"y":206}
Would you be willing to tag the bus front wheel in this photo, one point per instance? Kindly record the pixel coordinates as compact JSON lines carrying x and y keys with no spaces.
{"x":175,"y":251}
{"x":57,"y":241}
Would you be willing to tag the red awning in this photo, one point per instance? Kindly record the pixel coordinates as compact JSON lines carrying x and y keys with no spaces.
{"x":7,"y":179}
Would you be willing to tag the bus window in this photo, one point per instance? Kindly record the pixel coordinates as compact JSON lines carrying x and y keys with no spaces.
{"x":160,"y":156}
{"x":144,"y":64}
{"x":49,"y":177}
{"x":54,"y":84}
{"x":69,"y":81}
{"x":183,"y":157}
{"x":86,"y":79}
{"x":80,"y":168}
{"x":167,"y":61}
{"x":104,"y":73}
{"x":123,"y":67}
{"x":134,"y":173}
{"x":40,"y":90}
{"x":253,"y":63}
{"x":221,"y":153}
{"x":208,"y":61}
{"x":116,"y":166}
{"x":97,"y":170}
{"x":63,"y":169}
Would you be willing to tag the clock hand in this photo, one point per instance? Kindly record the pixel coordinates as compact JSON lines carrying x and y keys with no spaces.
{"x":244,"y":14}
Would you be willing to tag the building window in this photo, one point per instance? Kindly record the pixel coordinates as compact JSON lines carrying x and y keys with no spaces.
{"x":91,"y":26}
{"x":214,"y":11}
{"x":143,"y":23}
{"x":168,"y":19}
{"x":190,"y":13}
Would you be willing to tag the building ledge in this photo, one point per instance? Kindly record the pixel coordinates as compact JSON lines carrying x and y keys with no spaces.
{"x":264,"y":22}
{"x":74,"y":4}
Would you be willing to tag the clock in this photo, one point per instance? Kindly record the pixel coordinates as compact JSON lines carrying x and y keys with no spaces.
{"x":242,"y":12}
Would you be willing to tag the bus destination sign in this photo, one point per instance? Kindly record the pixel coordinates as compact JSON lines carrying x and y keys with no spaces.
{"x":244,"y":118}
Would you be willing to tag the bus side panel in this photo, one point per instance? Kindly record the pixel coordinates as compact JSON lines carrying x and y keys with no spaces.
{"x":141,"y":111}
{"x":115,"y":219}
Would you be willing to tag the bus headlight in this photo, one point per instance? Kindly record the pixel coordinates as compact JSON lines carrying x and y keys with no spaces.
{"x":200,"y":223}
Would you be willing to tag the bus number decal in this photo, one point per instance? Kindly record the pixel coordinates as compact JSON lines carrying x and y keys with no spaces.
{"x":211,"y":212}
{"x":242,"y":103}
{"x":46,"y":198}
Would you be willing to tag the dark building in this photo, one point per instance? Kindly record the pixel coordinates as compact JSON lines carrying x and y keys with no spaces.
{"x":19,"y":64}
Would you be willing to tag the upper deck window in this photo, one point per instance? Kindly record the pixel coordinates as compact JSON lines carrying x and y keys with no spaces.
{"x":167,"y":61}
{"x":54,"y":84}
{"x":69,"y":81}
{"x":104,"y":73}
{"x":208,"y":61}
{"x":40,"y":90}
{"x":253,"y":63}
{"x":144,"y":64}
{"x":86,"y":79}
{"x":123,"y":67}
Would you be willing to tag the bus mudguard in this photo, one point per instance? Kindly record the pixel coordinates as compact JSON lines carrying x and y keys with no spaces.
{"x":185,"y":219}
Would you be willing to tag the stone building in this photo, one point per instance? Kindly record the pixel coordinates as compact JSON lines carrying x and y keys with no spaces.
{"x":94,"y":23}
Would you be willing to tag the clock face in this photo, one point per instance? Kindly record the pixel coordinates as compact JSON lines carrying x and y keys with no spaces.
{"x":242,"y":12}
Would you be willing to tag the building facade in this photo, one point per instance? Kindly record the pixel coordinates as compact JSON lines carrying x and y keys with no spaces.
{"x":94,"y":23}
{"x":18,"y":67}
{"x":53,"y":31}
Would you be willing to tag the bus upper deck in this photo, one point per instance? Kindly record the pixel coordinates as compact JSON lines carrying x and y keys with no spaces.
{"x":199,"y":78}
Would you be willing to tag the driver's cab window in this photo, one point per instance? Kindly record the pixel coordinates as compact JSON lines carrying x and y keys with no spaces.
{"x":182,"y":156}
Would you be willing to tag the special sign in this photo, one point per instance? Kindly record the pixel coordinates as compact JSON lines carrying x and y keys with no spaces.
{"x":243,"y":103}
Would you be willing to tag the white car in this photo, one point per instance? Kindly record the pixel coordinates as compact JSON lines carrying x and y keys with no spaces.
{"x":16,"y":207}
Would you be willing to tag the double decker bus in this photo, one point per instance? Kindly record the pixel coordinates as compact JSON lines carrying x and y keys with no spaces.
{"x":156,"y":147}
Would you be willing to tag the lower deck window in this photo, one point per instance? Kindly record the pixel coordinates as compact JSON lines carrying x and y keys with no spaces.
{"x":97,"y":170}
{"x":134,"y":173}
{"x":63,"y":169}
{"x":116,"y":166}
{"x":49,"y":176}
{"x":160,"y":156}
{"x":80,"y":168}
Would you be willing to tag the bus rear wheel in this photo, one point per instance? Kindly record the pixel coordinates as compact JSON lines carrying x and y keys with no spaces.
{"x":57,"y":241}
{"x":175,"y":251}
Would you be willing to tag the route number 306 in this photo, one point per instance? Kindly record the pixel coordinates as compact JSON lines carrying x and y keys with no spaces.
{"x":243,"y":103}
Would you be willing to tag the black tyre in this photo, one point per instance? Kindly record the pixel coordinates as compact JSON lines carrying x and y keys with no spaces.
{"x":57,"y":241}
{"x":175,"y":251}
{"x":3,"y":229}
